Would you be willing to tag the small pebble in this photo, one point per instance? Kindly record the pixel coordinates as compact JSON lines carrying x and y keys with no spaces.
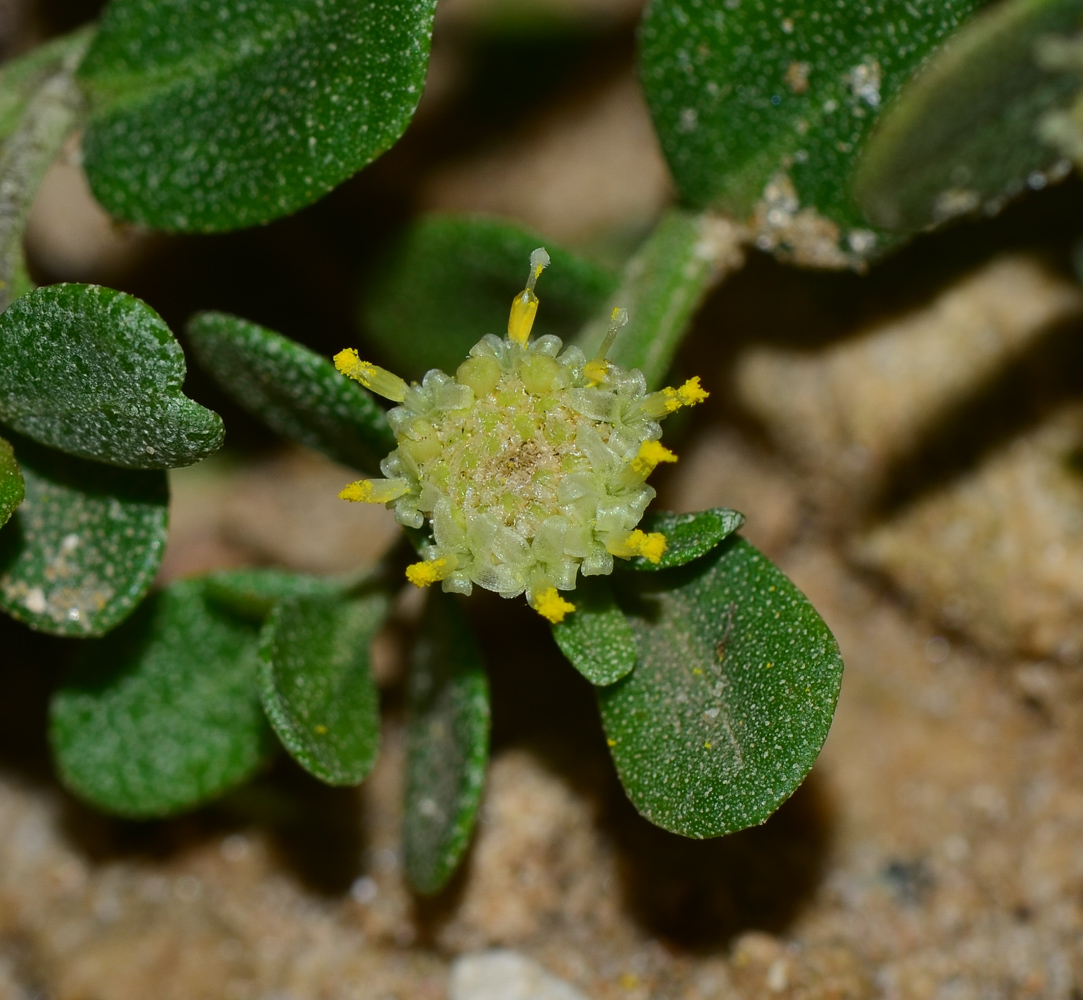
{"x":505,"y":975}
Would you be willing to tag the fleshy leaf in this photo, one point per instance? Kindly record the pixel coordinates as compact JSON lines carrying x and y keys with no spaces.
{"x":596,"y":638}
{"x":688,"y":536}
{"x":40,"y":106}
{"x":732,"y":695}
{"x":96,"y":373}
{"x":83,"y":548}
{"x":295,"y":391}
{"x":762,"y":107}
{"x":209,"y":115}
{"x":452,"y":280}
{"x":163,"y":714}
{"x":316,"y":683}
{"x":253,"y":593}
{"x":966,"y":132}
{"x":12,"y":487}
{"x":447,"y":745}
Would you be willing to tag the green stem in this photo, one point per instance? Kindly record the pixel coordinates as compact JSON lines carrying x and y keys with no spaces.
{"x":49,"y":117}
{"x":664,"y":285}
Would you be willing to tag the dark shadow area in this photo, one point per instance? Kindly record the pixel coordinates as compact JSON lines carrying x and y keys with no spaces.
{"x":318,"y":832}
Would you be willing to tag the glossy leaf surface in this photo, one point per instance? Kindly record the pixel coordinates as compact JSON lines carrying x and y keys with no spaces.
{"x":163,"y":714}
{"x":83,"y":548}
{"x":967,"y":131}
{"x":782,"y":94}
{"x":596,"y":638}
{"x":688,"y":536}
{"x":295,"y":391}
{"x":316,"y":683}
{"x":96,"y":373}
{"x":447,"y":745}
{"x":12,"y":487}
{"x":732,"y":695}
{"x":216,"y":114}
{"x":452,"y":280}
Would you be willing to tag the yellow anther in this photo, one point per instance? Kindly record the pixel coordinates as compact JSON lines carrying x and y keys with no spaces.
{"x":651,"y":454}
{"x":379,"y":380}
{"x":651,"y":547}
{"x":551,"y":606}
{"x":595,"y":369}
{"x":687,"y":395}
{"x":423,"y":574}
{"x":524,"y":306}
{"x":375,"y":490}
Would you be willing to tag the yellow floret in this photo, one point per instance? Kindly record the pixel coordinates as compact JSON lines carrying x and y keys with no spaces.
{"x":651,"y":547}
{"x":375,"y":490}
{"x":651,"y":454}
{"x":424,"y":574}
{"x":379,"y":380}
{"x":551,"y":606}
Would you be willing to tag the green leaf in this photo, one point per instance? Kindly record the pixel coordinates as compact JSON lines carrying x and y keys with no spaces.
{"x":96,"y":373}
{"x":731,"y":698}
{"x":12,"y":487}
{"x":253,"y":593}
{"x":317,"y":686}
{"x":447,"y":745}
{"x":84,"y":547}
{"x":766,"y":105}
{"x":40,"y":106}
{"x":688,"y":536}
{"x":295,"y":391}
{"x":662,"y":287}
{"x":209,"y":115}
{"x":966,"y":131}
{"x":163,"y":714}
{"x":596,"y":638}
{"x":452,"y":280}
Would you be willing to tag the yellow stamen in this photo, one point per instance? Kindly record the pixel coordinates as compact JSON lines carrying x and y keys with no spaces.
{"x":651,"y":454}
{"x":551,"y":606}
{"x":524,"y":306}
{"x":375,"y":490}
{"x":651,"y":547}
{"x":687,"y":395}
{"x":423,"y":574}
{"x":379,"y":380}
{"x":595,"y":369}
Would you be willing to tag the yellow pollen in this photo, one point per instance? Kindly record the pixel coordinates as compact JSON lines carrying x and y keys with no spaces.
{"x":379,"y":380}
{"x":551,"y":606}
{"x":687,"y":395}
{"x":651,"y":454}
{"x":595,"y":370}
{"x":651,"y":547}
{"x":423,"y":574}
{"x":375,"y":490}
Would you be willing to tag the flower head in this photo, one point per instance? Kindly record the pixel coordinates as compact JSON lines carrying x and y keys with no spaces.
{"x":530,"y":463}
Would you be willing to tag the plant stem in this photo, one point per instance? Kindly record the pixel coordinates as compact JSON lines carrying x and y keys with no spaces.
{"x":664,"y":285}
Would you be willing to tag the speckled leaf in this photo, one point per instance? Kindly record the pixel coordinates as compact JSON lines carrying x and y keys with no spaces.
{"x":253,"y":593}
{"x":40,"y":106}
{"x":163,"y":714}
{"x":966,"y":132}
{"x":447,"y":745}
{"x":297,"y":392}
{"x":766,"y":104}
{"x":316,"y":683}
{"x":596,"y":638}
{"x":83,"y":549}
{"x":731,"y":698}
{"x":688,"y":536}
{"x":96,"y":373}
{"x":215,"y":114}
{"x":452,"y":280}
{"x":12,"y":487}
